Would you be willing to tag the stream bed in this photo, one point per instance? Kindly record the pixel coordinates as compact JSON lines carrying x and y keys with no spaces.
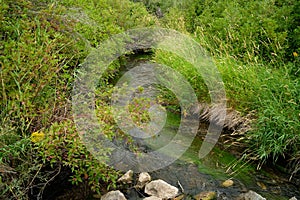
{"x":196,"y":175}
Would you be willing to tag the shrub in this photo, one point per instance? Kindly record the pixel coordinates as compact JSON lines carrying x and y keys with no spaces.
{"x":63,"y":146}
{"x":41,"y":46}
{"x":36,"y":60}
{"x":36,"y":68}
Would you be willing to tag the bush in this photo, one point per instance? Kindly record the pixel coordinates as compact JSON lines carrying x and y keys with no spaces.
{"x":42,"y":44}
{"x":37,"y":59}
{"x":63,"y":146}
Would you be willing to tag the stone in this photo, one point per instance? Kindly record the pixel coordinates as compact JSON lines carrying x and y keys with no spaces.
{"x":159,"y":13}
{"x":144,"y":178}
{"x":152,"y":198}
{"x":227,"y":183}
{"x":293,"y":198}
{"x":251,"y":195}
{"x":113,"y":195}
{"x":127,"y":177}
{"x":206,"y":195}
{"x":262,"y":185}
{"x":161,"y":189}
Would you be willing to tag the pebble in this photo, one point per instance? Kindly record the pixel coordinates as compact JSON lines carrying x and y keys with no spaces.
{"x":262,"y":185}
{"x":227,"y":183}
{"x":207,"y":195}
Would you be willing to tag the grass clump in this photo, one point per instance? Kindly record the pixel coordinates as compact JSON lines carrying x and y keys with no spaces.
{"x":274,"y":96}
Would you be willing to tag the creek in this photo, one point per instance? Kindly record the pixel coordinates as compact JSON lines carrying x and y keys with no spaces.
{"x":196,"y":175}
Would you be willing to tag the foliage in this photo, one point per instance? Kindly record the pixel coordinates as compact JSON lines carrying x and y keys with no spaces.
{"x":115,"y":16}
{"x":267,"y":31}
{"x":17,"y":166}
{"x":41,"y":46}
{"x":63,"y":146}
{"x":153,"y":5}
{"x":36,"y":59}
{"x":138,"y":109}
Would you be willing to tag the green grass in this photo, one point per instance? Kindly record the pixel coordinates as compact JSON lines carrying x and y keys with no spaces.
{"x":274,"y":95}
{"x":258,"y":68}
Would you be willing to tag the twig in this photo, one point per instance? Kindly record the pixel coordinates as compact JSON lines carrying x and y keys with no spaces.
{"x":42,"y":190}
{"x":35,"y":176}
{"x":182,"y":190}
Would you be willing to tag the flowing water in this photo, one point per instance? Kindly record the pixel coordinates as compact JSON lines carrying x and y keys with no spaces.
{"x":196,"y":175}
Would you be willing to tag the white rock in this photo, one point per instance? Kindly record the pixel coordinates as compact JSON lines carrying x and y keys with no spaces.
{"x":144,"y":178}
{"x":127,"y":177}
{"x":293,"y":198}
{"x":113,"y":195}
{"x":251,"y":195}
{"x":152,"y":198}
{"x":161,"y":189}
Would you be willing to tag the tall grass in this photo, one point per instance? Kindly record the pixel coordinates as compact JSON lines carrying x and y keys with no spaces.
{"x":251,"y":43}
{"x":274,"y":95}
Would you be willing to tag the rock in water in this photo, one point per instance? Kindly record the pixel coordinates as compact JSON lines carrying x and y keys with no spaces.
{"x":127,"y":177}
{"x":227,"y":183}
{"x":207,"y":195}
{"x":161,"y":189}
{"x":113,"y":195}
{"x":144,"y":178}
{"x":251,"y":195}
{"x":262,"y":185}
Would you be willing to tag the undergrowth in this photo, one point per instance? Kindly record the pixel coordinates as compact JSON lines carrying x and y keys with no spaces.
{"x":42,"y":44}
